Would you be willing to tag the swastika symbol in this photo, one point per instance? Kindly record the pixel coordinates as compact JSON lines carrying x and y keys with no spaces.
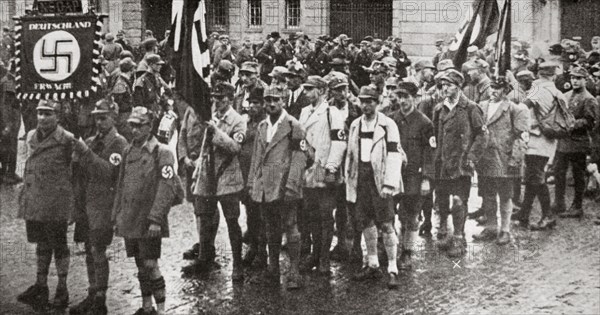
{"x":56,"y":55}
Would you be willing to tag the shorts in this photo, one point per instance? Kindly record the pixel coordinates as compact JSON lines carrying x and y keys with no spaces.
{"x":535,"y":169}
{"x":370,"y":206}
{"x":207,"y":206}
{"x":143,"y":248}
{"x":459,"y":187}
{"x":503,"y":186}
{"x":83,"y":234}
{"x":51,"y":232}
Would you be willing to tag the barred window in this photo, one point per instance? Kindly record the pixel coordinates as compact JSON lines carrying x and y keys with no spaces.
{"x":219,"y":12}
{"x":292,"y":13}
{"x":255,"y":10}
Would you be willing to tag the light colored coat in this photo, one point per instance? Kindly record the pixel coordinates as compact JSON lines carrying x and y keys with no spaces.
{"x":47,"y":193}
{"x":539,"y":100}
{"x":507,"y":133}
{"x":226,"y":143}
{"x":387,"y":157}
{"x":277,"y":168}
{"x":322,"y":138}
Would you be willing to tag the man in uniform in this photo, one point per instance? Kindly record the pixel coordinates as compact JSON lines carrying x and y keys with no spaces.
{"x":100,"y":165}
{"x":275,"y":182}
{"x":111,"y":52}
{"x":122,"y":93}
{"x":363,"y":59}
{"x":423,"y":77}
{"x":458,"y":130}
{"x":294,"y":77}
{"x":402,"y":57}
{"x":9,"y":132}
{"x":266,"y":56}
{"x":122,"y":41}
{"x":218,"y":178}
{"x":246,"y":85}
{"x":418,"y":141}
{"x":46,"y":201}
{"x":222,"y":51}
{"x":318,"y":60}
{"x":507,"y":130}
{"x":574,"y":149}
{"x":373,"y":177}
{"x":147,"y":87}
{"x":378,"y":73}
{"x":326,"y":140}
{"x":478,"y":86}
{"x":147,"y":188}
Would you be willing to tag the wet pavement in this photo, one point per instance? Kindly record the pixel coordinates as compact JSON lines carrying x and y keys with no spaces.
{"x":556,"y":271}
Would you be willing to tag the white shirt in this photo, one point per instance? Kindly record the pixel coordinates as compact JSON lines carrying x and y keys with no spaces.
{"x":449,"y":105}
{"x":492,"y":109}
{"x":245,"y":103}
{"x":366,"y":144}
{"x":272,"y":128}
{"x":295,"y":94}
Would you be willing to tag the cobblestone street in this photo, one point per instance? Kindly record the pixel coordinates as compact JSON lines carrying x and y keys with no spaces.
{"x":544,"y":272}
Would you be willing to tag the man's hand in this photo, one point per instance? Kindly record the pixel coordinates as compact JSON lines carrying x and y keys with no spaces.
{"x":425,"y":187}
{"x":387,"y":192}
{"x":188,"y":162}
{"x":154,"y":230}
{"x":330,"y":167}
{"x":79,"y":147}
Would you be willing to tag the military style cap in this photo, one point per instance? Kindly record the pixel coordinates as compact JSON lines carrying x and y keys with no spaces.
{"x":525,"y":74}
{"x":149,"y":43}
{"x":378,"y":67}
{"x":344,"y":37}
{"x":140,"y":115}
{"x":274,"y":91}
{"x":445,"y":64}
{"x":338,"y":81}
{"x":295,"y":69}
{"x":547,"y":68}
{"x":48,"y":105}
{"x":498,"y":82}
{"x":397,"y":40}
{"x":439,"y":42}
{"x":477,"y":64}
{"x":407,"y":88}
{"x":595,"y":70}
{"x":249,"y":66}
{"x":109,"y":37}
{"x":126,"y":54}
{"x":274,"y":35}
{"x":453,"y":77}
{"x":364,"y":42}
{"x":472,"y":49}
{"x":225,"y":65}
{"x":390,"y":61}
{"x":315,"y":81}
{"x":392,"y":81}
{"x":424,"y":64}
{"x":223,"y":37}
{"x":153,"y":59}
{"x":369,"y":91}
{"x":105,"y":106}
{"x":378,"y":41}
{"x":579,"y":72}
{"x":126,"y":65}
{"x":368,"y":39}
{"x":556,"y":49}
{"x":222,"y":89}
{"x":338,"y":62}
{"x":278,"y":72}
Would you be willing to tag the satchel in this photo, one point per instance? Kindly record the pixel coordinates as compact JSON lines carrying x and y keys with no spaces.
{"x":559,"y":122}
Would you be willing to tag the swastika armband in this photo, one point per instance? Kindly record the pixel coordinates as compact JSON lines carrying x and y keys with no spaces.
{"x":298,"y":144}
{"x":393,"y":147}
{"x":338,"y":135}
{"x":167,"y":172}
{"x":239,"y":137}
{"x":115,"y":159}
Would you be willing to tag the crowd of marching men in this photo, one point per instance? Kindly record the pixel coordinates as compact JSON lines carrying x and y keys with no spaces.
{"x":316,"y":140}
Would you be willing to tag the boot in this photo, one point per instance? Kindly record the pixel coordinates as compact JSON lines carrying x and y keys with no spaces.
{"x":458,"y":247}
{"x":309,"y":263}
{"x":84,"y":306}
{"x":405,"y":261}
{"x":273,"y":273}
{"x":544,"y":224}
{"x":192,"y":253}
{"x":478,"y":213}
{"x":250,"y":255}
{"x":61,"y":298}
{"x":35,"y":296}
{"x":260,"y":261}
{"x":446,"y":243}
{"x":236,"y":247}
{"x":294,"y":280}
{"x":503,"y":238}
{"x":425,"y":229}
{"x":573,"y":212}
{"x":324,"y":263}
{"x":99,"y":306}
{"x":486,"y":235}
{"x":339,"y":252}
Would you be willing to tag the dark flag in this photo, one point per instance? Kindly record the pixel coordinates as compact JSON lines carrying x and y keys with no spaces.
{"x":475,"y":30}
{"x":502,"y":55}
{"x":191,"y":59}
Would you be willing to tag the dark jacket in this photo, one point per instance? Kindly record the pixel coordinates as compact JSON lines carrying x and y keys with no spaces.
{"x":583,"y":106}
{"x":295,"y":108}
{"x":459,"y":138}
{"x":266,"y":57}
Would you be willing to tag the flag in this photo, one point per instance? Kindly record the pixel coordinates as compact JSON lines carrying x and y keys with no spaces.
{"x":475,"y":29}
{"x":502,"y":55}
{"x":191,"y":59}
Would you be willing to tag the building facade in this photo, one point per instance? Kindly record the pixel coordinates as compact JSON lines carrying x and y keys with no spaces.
{"x":418,"y":22}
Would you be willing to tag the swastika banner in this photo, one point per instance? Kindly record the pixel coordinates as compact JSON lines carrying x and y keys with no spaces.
{"x":57,"y":56}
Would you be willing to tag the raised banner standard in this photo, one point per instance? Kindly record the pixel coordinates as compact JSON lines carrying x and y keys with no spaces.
{"x":57,"y":56}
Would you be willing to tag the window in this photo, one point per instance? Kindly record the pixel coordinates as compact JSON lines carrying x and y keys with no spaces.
{"x":292,"y":13}
{"x":219,"y":12}
{"x":255,"y":10}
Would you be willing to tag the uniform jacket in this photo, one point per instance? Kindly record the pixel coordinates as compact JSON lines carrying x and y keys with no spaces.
{"x":403,"y":62}
{"x":324,"y":127}
{"x":147,"y":188}
{"x":190,"y":136}
{"x":302,"y":52}
{"x":507,"y":133}
{"x":146,"y":91}
{"x":418,"y":142}
{"x":266,"y":57}
{"x":122,"y":93}
{"x":222,"y":52}
{"x":295,"y":108}
{"x":223,"y":147}
{"x":459,"y":138}
{"x":245,"y":54}
{"x":318,"y":63}
{"x":100,"y":166}
{"x":112,"y":52}
{"x":386,"y":157}
{"x":248,"y":146}
{"x":583,"y":107}
{"x":9,"y":108}
{"x":540,"y":101}
{"x":277,"y":168}
{"x":47,"y":193}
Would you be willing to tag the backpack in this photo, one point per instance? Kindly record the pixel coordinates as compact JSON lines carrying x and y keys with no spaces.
{"x":559,"y":122}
